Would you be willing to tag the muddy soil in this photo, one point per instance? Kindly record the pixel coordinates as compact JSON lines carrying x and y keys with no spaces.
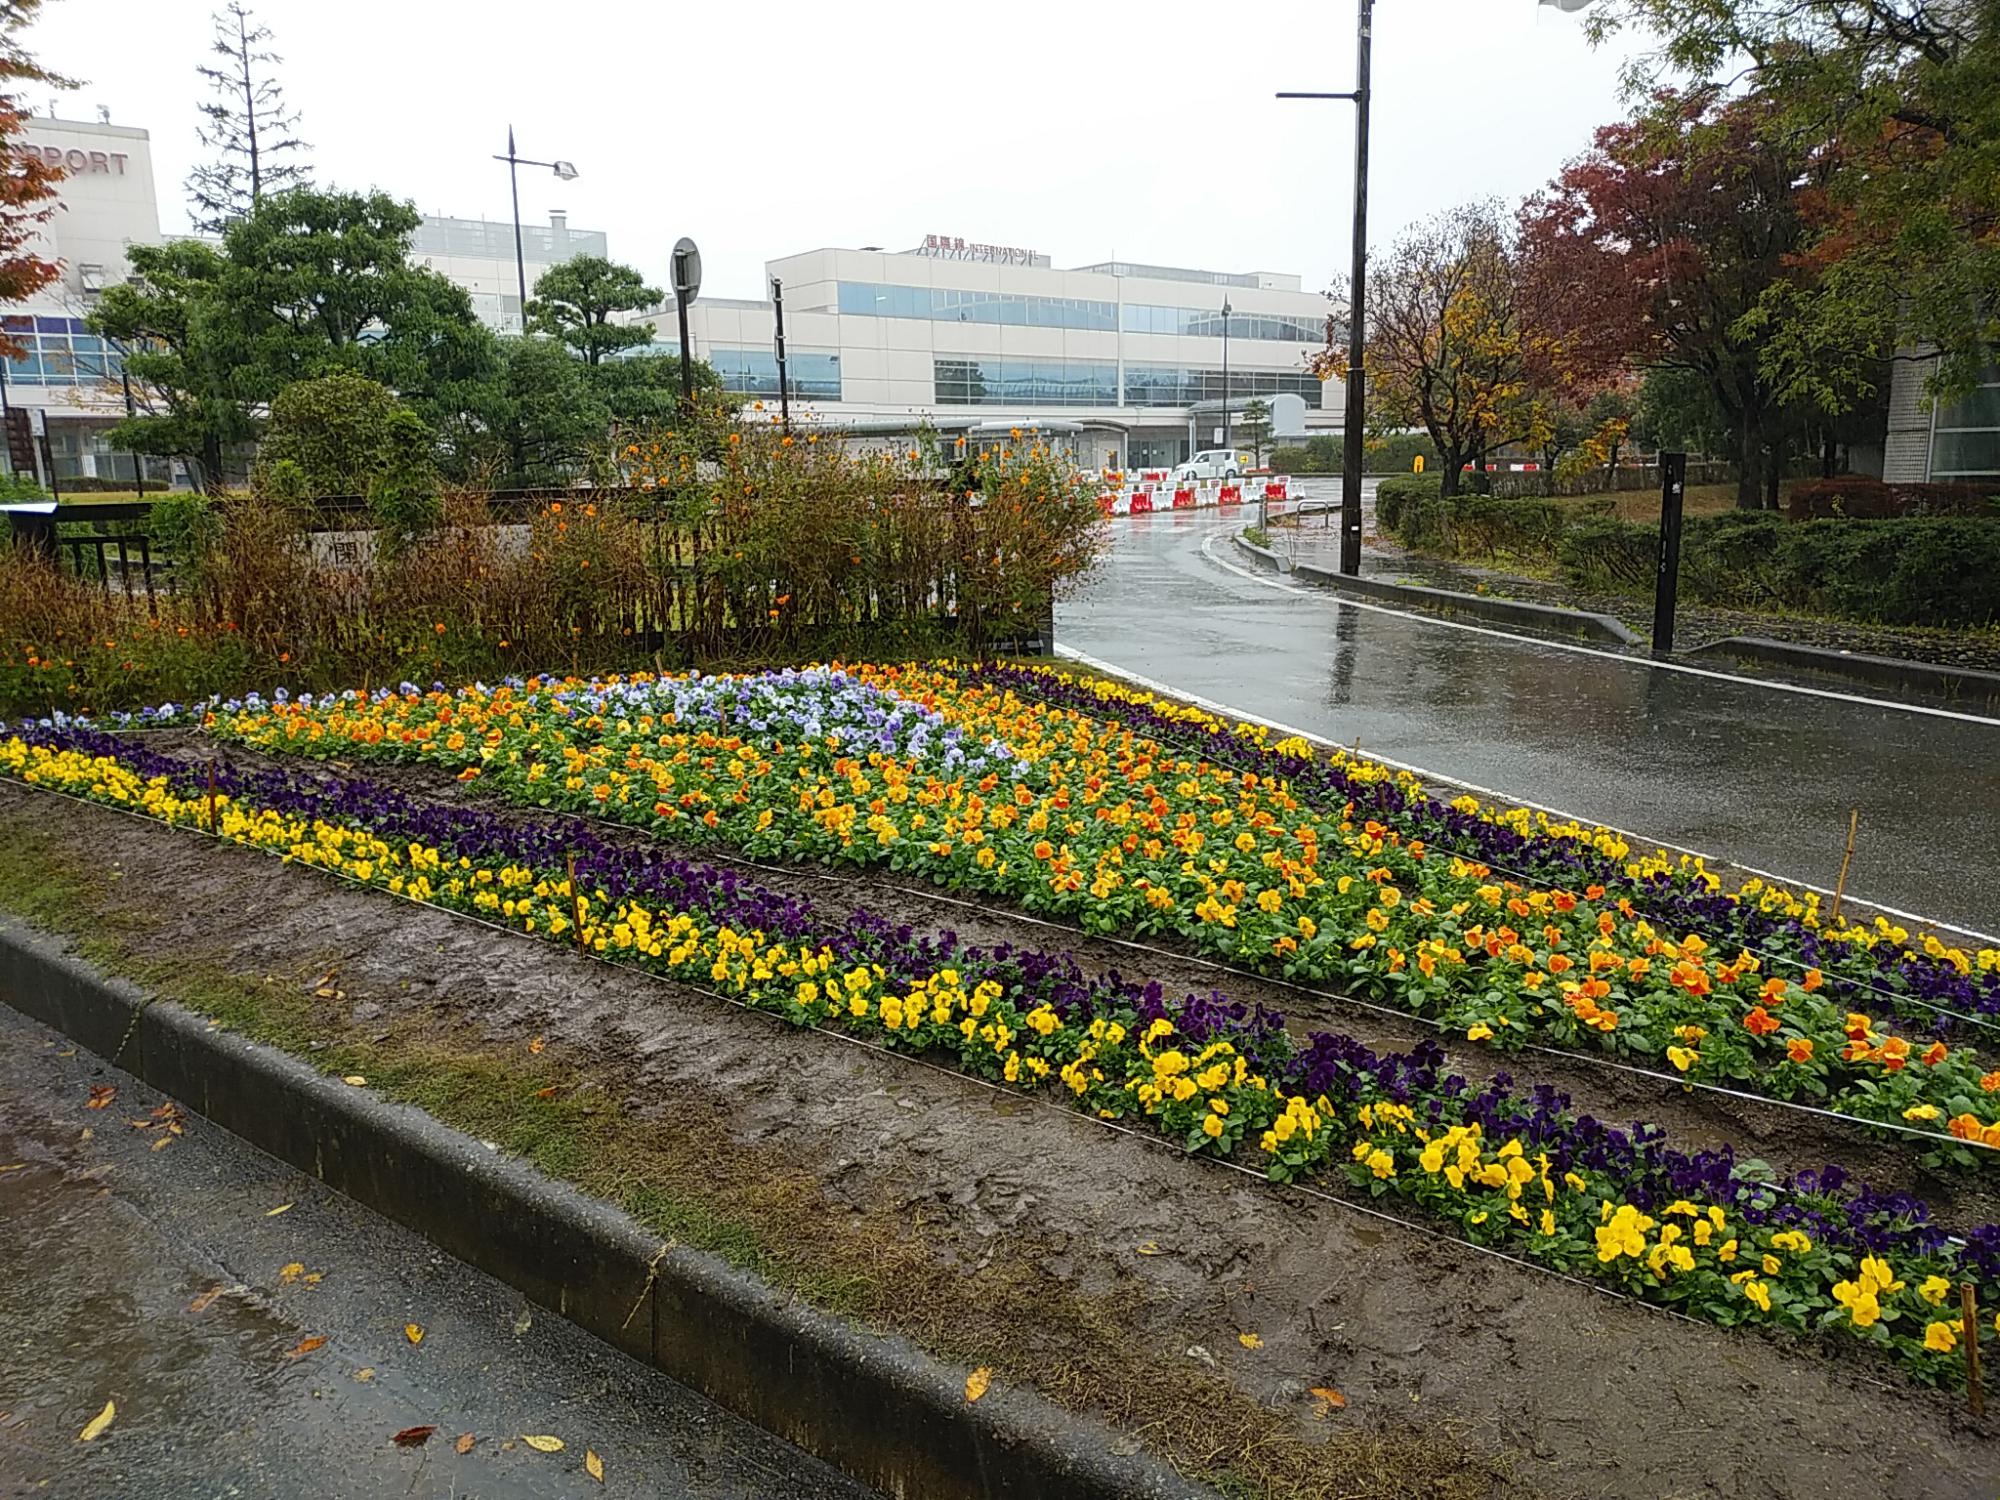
{"x":1789,"y":1140}
{"x":1593,"y":1395}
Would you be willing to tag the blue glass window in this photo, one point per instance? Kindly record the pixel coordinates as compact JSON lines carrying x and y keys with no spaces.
{"x":956,"y":305}
{"x":1206,"y":322}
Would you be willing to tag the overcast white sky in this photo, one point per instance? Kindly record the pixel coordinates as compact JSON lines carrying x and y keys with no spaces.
{"x":1083,"y":129}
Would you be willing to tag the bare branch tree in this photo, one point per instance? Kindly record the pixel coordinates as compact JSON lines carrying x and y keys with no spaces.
{"x":247,"y":126}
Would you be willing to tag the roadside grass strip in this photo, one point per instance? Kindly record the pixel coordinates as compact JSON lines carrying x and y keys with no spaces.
{"x":1820,"y":1255}
{"x":1352,"y":880}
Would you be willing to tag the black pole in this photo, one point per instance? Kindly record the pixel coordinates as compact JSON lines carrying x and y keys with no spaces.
{"x":784,"y":385}
{"x":520,"y":259}
{"x":1357,"y":312}
{"x":1666,"y":586}
{"x":138,"y":469}
{"x":49,"y":462}
{"x":687,"y":356}
{"x":1225,"y":372}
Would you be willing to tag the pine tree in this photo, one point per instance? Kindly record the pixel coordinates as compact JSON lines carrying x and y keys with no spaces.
{"x":248,"y":126}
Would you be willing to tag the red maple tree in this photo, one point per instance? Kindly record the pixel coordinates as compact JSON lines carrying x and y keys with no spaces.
{"x":27,"y":180}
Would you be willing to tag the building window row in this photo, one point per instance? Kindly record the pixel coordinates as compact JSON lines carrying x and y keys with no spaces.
{"x":867,"y":299}
{"x":1024,"y":382}
{"x":1965,"y":437}
{"x":752,"y":370}
{"x":58,"y":351}
{"x":1018,"y":382}
{"x":1139,"y":317}
{"x":1176,"y":385}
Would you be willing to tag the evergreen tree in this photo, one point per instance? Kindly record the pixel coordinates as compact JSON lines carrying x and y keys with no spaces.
{"x":247,"y":126}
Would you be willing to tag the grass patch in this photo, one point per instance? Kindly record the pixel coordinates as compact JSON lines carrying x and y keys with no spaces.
{"x":690,"y":1181}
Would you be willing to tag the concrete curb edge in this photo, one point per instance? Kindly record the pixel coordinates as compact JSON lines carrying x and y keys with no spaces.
{"x":874,"y":1406}
{"x":1856,"y":666}
{"x":1417,"y":597}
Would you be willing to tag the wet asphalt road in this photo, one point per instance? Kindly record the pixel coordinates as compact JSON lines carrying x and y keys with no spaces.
{"x":106,"y":1245}
{"x":1735,"y":769}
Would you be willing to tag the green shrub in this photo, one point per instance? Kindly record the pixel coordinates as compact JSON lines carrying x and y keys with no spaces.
{"x":1396,"y":494}
{"x":1942,"y":570}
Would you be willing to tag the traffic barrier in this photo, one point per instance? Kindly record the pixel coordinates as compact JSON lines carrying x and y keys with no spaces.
{"x":1184,"y":498}
{"x":1229,"y":494}
{"x":1142,"y":504}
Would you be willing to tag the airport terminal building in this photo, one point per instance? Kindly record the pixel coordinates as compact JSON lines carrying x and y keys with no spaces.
{"x":1128,"y":362}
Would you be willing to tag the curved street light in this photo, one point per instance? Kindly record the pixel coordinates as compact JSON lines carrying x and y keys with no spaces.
{"x":565,"y":171}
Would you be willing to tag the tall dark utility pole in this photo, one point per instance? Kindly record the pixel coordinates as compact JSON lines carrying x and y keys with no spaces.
{"x":1225,"y":372}
{"x":784,"y":385}
{"x":565,"y":172}
{"x":1357,"y":379}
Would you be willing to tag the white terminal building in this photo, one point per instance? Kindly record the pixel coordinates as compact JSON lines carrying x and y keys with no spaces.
{"x":1127,"y":364}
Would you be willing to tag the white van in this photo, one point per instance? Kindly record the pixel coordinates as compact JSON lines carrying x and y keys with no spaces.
{"x":1215,"y":463}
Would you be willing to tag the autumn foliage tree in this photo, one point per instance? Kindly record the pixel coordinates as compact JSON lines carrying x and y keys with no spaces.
{"x":1447,"y":350}
{"x":1660,"y":245}
{"x":27,"y":182}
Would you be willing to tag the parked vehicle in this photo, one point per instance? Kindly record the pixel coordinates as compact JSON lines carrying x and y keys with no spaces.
{"x":1214,"y":463}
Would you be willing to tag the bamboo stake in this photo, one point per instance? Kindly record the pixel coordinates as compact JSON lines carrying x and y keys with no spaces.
{"x":1968,"y":1302}
{"x":1840,"y":885}
{"x":575,"y":895}
{"x":211,"y":797}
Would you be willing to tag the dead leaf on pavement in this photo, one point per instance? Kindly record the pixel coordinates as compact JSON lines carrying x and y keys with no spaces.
{"x":291,"y":1271}
{"x":281,"y":1208}
{"x":365,"y":1374}
{"x":1151,"y":1247}
{"x":464,"y":1443}
{"x":355,"y":1080}
{"x":305,"y":1346}
{"x":201,"y":1303}
{"x":101,"y":1095}
{"x":523,"y":1323}
{"x":1329,"y":1399}
{"x":414,"y":1437}
{"x":977,"y":1382}
{"x":13,"y":1166}
{"x":94,"y":1428}
{"x":70,"y":1053}
{"x":536,"y":1046}
{"x":594,"y":1464}
{"x":543,"y":1443}
{"x":1249,"y":1341}
{"x":414,"y":1332}
{"x":163,"y":1142}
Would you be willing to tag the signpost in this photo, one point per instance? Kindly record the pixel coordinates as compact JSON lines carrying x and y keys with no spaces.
{"x":1666,"y":584}
{"x":687,"y":285}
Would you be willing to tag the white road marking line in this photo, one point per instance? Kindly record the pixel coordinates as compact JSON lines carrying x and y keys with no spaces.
{"x":1507,"y":799}
{"x":1618,"y":656}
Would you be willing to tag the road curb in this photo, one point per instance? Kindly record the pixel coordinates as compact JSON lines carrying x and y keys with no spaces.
{"x":1419,"y":598}
{"x":1856,"y":666}
{"x":874,"y":1406}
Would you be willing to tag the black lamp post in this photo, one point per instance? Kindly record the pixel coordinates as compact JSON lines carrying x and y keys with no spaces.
{"x":784,"y":386}
{"x":1357,"y":399}
{"x":565,"y":172}
{"x":1225,"y":372}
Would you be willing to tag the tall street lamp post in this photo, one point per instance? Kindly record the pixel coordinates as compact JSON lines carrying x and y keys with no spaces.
{"x":1225,"y":372}
{"x":1357,"y":391}
{"x":565,"y":172}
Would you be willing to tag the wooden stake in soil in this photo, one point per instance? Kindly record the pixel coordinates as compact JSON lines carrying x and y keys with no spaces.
{"x":211,"y":797}
{"x":575,"y":896}
{"x":1968,"y":1302}
{"x":1840,"y":885}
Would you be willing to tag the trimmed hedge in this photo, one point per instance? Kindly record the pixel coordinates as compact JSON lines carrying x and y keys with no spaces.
{"x":1941,"y":570}
{"x":1411,"y":509}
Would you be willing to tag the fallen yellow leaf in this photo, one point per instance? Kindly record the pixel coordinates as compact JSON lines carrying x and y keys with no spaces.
{"x":355,"y":1080}
{"x":1249,"y":1341}
{"x":101,"y":1095}
{"x":543,"y":1443}
{"x":977,"y":1382}
{"x":291,"y":1271}
{"x":200,"y":1304}
{"x":365,"y":1374}
{"x":163,"y":1142}
{"x":536,"y":1046}
{"x":305,"y":1346}
{"x":1151,"y":1247}
{"x":13,"y":1166}
{"x":594,"y":1464}
{"x":281,"y":1208}
{"x":414,"y":1332}
{"x":94,"y":1428}
{"x":1329,"y":1399}
{"x":464,"y":1443}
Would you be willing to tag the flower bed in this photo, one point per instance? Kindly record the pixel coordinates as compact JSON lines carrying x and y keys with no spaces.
{"x":964,"y":783}
{"x":1521,"y":1172}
